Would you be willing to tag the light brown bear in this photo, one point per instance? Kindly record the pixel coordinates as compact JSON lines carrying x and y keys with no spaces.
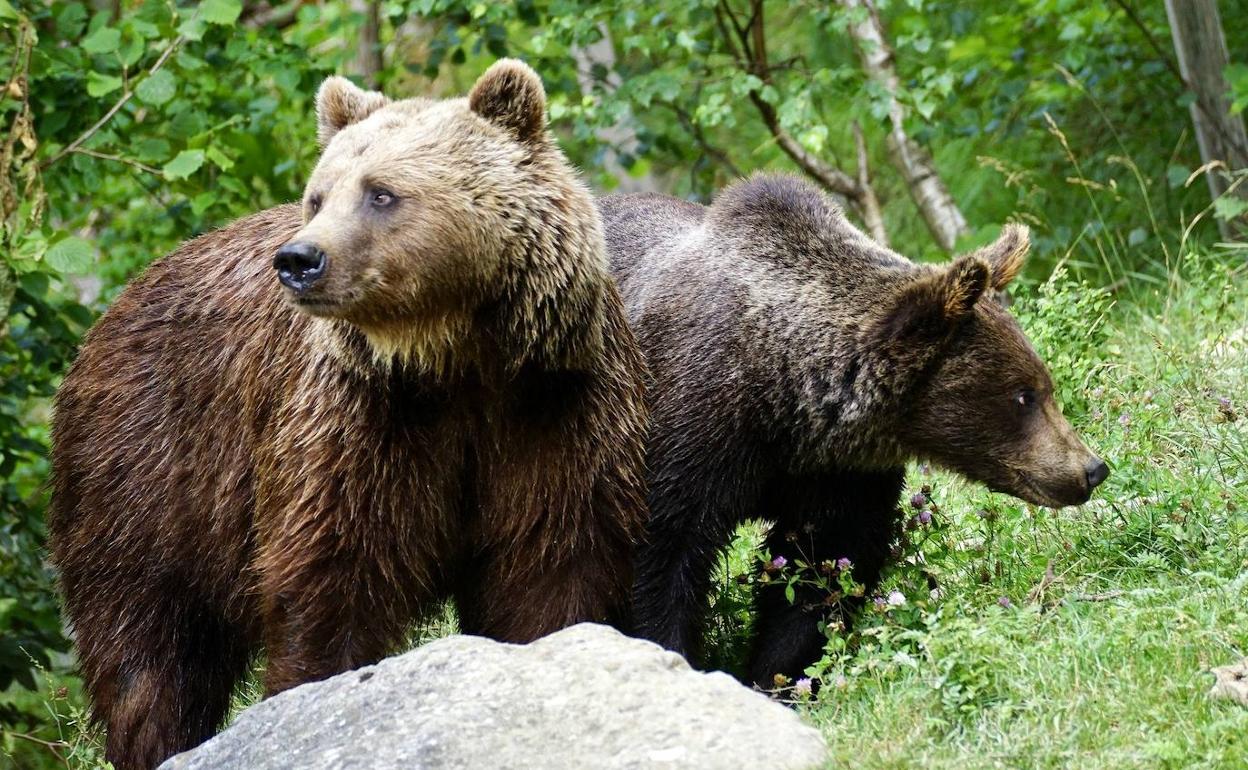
{"x":434,"y":395}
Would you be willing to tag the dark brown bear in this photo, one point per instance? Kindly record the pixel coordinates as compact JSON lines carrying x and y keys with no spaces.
{"x":796,"y":366}
{"x":440,"y":400}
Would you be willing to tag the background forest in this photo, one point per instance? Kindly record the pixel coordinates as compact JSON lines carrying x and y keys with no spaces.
{"x":1008,"y":635}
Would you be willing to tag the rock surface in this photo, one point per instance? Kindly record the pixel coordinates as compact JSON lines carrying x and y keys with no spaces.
{"x":585,"y":698}
{"x":1232,"y":682}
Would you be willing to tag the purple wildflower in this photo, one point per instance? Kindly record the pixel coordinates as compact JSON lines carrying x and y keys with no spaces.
{"x":844,"y":563}
{"x":918,"y":500}
{"x":896,"y":598}
{"x":925,"y":517}
{"x":1004,"y":601}
{"x":779,"y":562}
{"x":802,"y":687}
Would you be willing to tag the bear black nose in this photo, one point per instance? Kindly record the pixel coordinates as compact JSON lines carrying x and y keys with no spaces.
{"x":1097,"y":472}
{"x":299,"y":265}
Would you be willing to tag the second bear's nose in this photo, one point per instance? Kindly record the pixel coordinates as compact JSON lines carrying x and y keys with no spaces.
{"x":1097,"y":472}
{"x":299,"y":265}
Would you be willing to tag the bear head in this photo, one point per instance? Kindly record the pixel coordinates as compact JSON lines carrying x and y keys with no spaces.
{"x":425,"y":219}
{"x":981,"y":401}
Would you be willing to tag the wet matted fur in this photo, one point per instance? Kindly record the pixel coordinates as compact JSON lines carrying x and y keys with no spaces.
{"x":455,"y":412}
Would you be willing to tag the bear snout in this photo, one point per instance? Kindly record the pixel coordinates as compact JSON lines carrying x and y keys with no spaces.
{"x":299,"y":265}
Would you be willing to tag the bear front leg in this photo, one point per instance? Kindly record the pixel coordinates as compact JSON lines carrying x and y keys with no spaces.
{"x":518,"y":593}
{"x":674,"y":569}
{"x":327,"y":616}
{"x":847,"y":515}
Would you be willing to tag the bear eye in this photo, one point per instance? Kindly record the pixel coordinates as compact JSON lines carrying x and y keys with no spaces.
{"x":314,"y":204}
{"x":1025,"y":398}
{"x":381,"y":198}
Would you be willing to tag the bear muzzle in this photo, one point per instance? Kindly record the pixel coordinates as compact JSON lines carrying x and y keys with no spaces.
{"x":299,"y":265}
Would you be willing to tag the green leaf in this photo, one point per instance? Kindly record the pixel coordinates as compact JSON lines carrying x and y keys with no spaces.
{"x":1177,"y":176}
{"x":98,"y":84}
{"x":192,"y":29}
{"x":202,"y":202}
{"x":186,"y":163}
{"x":130,"y":52}
{"x":70,"y":255}
{"x":220,"y":159}
{"x":157,"y":88}
{"x":224,"y":12}
{"x":1229,"y":207}
{"x":103,"y":40}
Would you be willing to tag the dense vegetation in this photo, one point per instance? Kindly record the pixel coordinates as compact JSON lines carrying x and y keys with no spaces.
{"x":1010,"y":635}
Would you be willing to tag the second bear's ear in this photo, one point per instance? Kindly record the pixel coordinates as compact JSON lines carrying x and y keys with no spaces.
{"x":339,"y":103}
{"x":930,"y":307}
{"x":510,"y":95}
{"x":1007,"y":254}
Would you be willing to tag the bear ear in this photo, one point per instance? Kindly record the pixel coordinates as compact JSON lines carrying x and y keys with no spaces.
{"x":339,"y":103}
{"x":1007,"y":255}
{"x":510,"y":95}
{"x":930,"y":307}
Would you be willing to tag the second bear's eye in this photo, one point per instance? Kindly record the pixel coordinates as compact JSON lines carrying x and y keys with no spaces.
{"x":314,"y":204}
{"x":381,"y":198}
{"x":1025,"y":398}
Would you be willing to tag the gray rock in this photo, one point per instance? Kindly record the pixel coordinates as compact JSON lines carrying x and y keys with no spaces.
{"x":586,"y":698}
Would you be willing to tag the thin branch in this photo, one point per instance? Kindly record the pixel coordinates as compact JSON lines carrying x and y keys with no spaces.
{"x":752,"y":43}
{"x":1101,"y":597}
{"x":52,"y":746}
{"x":125,"y":97}
{"x":699,"y":137}
{"x":1152,"y":40}
{"x":118,"y":158}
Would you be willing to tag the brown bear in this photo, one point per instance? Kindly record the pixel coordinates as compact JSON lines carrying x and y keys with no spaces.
{"x":303,"y":432}
{"x":796,"y":365}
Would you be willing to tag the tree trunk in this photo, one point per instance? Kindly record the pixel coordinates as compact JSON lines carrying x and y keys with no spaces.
{"x":368,"y":62}
{"x":869,"y":205}
{"x":1201,"y":48}
{"x":939,"y":210}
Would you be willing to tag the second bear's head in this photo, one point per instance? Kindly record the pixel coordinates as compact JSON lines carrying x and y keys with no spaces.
{"x":430,"y":224}
{"x":982,"y":401}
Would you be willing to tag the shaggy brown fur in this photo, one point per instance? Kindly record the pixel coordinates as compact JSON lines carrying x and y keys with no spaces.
{"x":796,"y":366}
{"x":454,"y":410}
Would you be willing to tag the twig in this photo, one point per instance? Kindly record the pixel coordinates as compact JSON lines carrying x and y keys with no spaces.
{"x":52,"y":746}
{"x":1037,"y":593}
{"x":1152,"y":40}
{"x":118,"y":158}
{"x":125,"y":97}
{"x":699,"y":137}
{"x":749,"y":50}
{"x":1101,"y":597}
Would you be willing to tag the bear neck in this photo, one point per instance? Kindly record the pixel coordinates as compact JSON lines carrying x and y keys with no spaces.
{"x":838,"y":399}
